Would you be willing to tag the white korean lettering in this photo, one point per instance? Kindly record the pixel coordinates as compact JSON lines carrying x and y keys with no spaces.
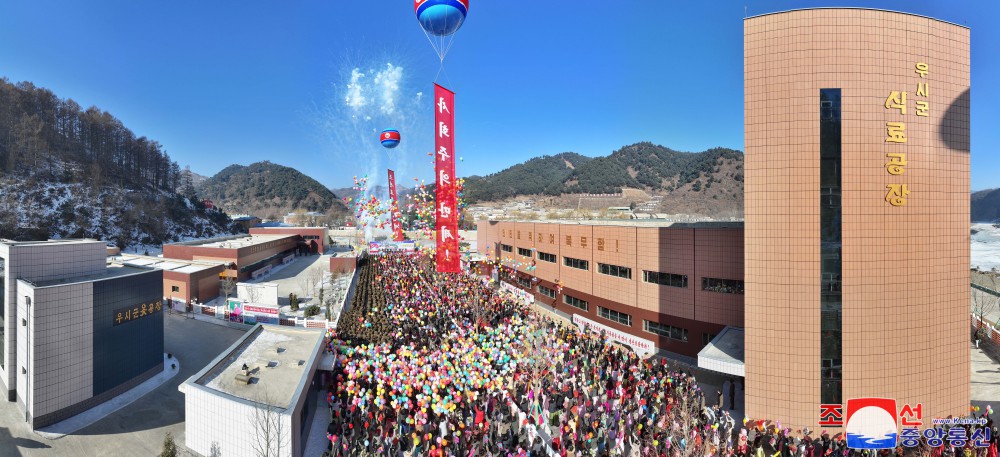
{"x":443,"y":130}
{"x":442,"y":106}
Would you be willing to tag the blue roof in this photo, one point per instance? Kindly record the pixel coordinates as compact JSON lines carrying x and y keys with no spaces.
{"x":274,"y":224}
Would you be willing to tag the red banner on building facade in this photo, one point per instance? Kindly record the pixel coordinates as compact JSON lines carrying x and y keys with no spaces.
{"x":444,"y":171}
{"x":397,"y":227}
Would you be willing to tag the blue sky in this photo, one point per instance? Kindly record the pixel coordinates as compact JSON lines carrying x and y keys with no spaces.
{"x":225,"y":82}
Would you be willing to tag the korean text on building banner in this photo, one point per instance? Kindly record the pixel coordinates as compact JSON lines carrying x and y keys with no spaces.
{"x":397,"y":227}
{"x":444,"y":170}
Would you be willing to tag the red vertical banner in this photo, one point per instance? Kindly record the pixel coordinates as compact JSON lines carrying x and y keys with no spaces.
{"x":397,"y":227}
{"x":444,"y":178}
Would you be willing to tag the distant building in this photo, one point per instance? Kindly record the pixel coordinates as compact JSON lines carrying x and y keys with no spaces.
{"x":227,"y":405}
{"x":315,"y":238}
{"x":246,"y":222}
{"x":184,"y":281}
{"x":76,"y":331}
{"x":245,"y":256}
{"x":304,"y":219}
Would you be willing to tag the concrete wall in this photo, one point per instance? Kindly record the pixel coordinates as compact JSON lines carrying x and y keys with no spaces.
{"x":227,"y":420}
{"x":267,"y":292}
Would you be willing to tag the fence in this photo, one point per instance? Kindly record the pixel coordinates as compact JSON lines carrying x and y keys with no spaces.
{"x":990,"y":332}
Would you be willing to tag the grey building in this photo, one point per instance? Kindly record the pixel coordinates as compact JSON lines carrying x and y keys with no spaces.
{"x":76,"y":331}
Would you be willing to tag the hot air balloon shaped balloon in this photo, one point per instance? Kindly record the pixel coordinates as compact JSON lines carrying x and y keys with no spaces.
{"x":390,"y":138}
{"x":440,"y":19}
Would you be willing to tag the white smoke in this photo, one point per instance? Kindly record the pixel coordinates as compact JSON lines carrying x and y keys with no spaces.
{"x":356,"y":91}
{"x":366,"y":102}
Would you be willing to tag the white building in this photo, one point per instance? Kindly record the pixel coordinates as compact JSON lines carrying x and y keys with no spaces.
{"x":268,"y":405}
{"x":76,"y":330}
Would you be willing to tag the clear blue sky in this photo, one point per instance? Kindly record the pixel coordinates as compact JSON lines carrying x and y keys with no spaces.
{"x":222,"y":82}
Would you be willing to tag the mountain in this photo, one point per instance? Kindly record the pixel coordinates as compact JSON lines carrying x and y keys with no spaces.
{"x":541,"y":175}
{"x":68,"y":172}
{"x":985,"y":205}
{"x":708,"y":182}
{"x":350,"y":192}
{"x":269,"y":191}
{"x":197,"y":179}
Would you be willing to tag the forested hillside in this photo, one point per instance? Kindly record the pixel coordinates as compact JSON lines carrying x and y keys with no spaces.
{"x":541,"y":175}
{"x":269,"y":191}
{"x":645,"y":166}
{"x":70,"y":172}
{"x":985,"y":205}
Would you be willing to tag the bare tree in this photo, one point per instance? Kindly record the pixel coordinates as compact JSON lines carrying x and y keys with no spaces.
{"x":215,"y":451}
{"x":228,"y":285}
{"x":271,"y":436}
{"x":252,"y":293}
{"x":984,"y":303}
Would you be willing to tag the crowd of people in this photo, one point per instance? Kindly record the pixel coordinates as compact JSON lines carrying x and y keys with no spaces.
{"x":448,"y":365}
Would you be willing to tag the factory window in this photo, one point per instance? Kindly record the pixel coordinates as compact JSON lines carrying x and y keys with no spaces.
{"x":551,"y":293}
{"x":506,"y":248}
{"x":615,"y":316}
{"x":576,"y":302}
{"x":524,"y":252}
{"x":725,"y":286}
{"x":546,"y":257}
{"x":614,"y":270}
{"x":665,"y":279}
{"x":175,"y":289}
{"x":576,"y":263}
{"x":669,"y":331}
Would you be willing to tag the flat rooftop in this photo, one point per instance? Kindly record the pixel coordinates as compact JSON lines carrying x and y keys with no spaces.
{"x":637,"y":223}
{"x":180,"y":266}
{"x":51,"y":242}
{"x":234,"y":242}
{"x":113,"y":270}
{"x":278,"y":358}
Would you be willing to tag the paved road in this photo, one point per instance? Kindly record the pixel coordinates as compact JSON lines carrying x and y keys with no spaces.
{"x":985,"y":380}
{"x":288,"y":278}
{"x":137,"y":429}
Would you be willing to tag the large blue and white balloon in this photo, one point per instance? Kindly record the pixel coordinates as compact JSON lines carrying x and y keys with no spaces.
{"x":441,"y":17}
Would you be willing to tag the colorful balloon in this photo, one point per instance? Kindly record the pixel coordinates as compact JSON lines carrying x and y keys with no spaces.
{"x":390,"y":138}
{"x":441,"y":17}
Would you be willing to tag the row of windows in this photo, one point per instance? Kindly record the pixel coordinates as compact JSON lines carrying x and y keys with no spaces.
{"x":576,"y":263}
{"x":551,"y":293}
{"x":546,"y":257}
{"x":669,"y":331}
{"x":524,"y":252}
{"x":615,"y":316}
{"x":614,"y":270}
{"x":576,"y":302}
{"x":726,"y":286}
{"x":665,"y":279}
{"x":506,"y":248}
{"x":524,"y":282}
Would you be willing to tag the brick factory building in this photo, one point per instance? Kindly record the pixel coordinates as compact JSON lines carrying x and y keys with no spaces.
{"x":316,"y":238}
{"x":184,"y":281}
{"x":244,"y":256}
{"x":677,"y":285}
{"x":856,"y":212}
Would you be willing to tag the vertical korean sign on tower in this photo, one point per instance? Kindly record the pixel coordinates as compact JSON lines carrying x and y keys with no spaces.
{"x":397,"y":227}
{"x":444,"y":171}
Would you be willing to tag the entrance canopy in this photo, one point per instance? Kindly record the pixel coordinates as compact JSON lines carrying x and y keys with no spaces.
{"x":724,"y":353}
